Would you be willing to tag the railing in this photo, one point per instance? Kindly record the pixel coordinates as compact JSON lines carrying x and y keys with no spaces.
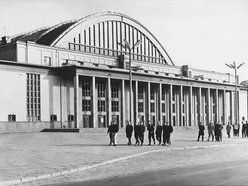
{"x":114,"y":53}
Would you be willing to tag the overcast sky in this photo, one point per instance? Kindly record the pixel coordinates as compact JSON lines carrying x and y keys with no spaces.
{"x":205,"y":34}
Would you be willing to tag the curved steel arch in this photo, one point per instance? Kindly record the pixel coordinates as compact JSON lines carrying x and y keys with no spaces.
{"x":94,"y":19}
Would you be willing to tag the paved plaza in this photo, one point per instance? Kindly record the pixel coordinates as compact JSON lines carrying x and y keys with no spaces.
{"x":43,"y":158}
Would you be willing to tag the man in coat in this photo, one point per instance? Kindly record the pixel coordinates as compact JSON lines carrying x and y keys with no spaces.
{"x":142,"y":131}
{"x":201,"y":131}
{"x":228,"y":129}
{"x":137,"y":133}
{"x":150,"y":129}
{"x":112,"y":132}
{"x":167,"y":130}
{"x":158,"y":132}
{"x":211,"y":130}
{"x":129,"y":132}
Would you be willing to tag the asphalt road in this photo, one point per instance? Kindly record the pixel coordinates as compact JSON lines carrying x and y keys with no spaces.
{"x":234,"y":173}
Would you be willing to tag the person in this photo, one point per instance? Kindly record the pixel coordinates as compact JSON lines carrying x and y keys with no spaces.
{"x":167,"y":130}
{"x":228,"y":129}
{"x":150,"y":129}
{"x":235,"y":130}
{"x":158,"y":132}
{"x":129,"y":132}
{"x":116,"y":130}
{"x":247,"y":129}
{"x":244,"y":128}
{"x":201,"y":131}
{"x":142,"y":131}
{"x":111,"y":132}
{"x":137,"y":133}
{"x":211,"y":130}
{"x":220,"y":131}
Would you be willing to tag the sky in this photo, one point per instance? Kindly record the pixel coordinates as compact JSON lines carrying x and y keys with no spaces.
{"x":204,"y":34}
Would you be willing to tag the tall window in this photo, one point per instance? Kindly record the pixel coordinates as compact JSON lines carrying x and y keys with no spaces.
{"x":85,"y":105}
{"x":33,"y":97}
{"x":86,"y":88}
{"x":152,"y":94}
{"x":101,"y":106}
{"x":163,"y":107}
{"x":140,"y":107}
{"x":115,"y":90}
{"x":152,"y":107}
{"x":101,"y":89}
{"x":140,"y":93}
{"x":115,"y":106}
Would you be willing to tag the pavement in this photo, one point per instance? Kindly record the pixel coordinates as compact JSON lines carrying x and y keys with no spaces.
{"x":43,"y":158}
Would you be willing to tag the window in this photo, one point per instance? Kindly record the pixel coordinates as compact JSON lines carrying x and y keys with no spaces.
{"x":140,"y":93}
{"x":163,"y":107}
{"x":47,"y":61}
{"x":33,"y":97}
{"x":173,"y":108}
{"x":115,"y":106}
{"x":115,"y":90}
{"x":86,"y":88}
{"x":152,"y":107}
{"x":101,"y":89}
{"x":140,"y":107}
{"x":152,"y":94}
{"x":101,"y":106}
{"x":85,"y":105}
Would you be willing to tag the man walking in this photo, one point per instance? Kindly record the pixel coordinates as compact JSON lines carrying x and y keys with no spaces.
{"x":201,"y":131}
{"x":228,"y":129}
{"x":142,"y":131}
{"x":158,"y":132}
{"x":150,"y":129}
{"x":167,"y":130}
{"x":211,"y":130}
{"x":137,"y":133}
{"x":129,"y":131}
{"x":111,"y":132}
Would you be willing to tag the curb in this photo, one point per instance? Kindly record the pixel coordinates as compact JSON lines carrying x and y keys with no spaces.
{"x":80,"y":169}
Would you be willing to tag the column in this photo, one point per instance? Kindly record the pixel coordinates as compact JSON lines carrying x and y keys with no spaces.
{"x":171,"y":116}
{"x":209,"y":118}
{"x":181,"y":106}
{"x":136,"y":102}
{"x":108,"y":101}
{"x":231,"y":108}
{"x":224,"y":108}
{"x":190,"y":106}
{"x":123,"y":108}
{"x":76,"y":100}
{"x":238,"y":115}
{"x":148,"y":101}
{"x":94,"y":102}
{"x":200,"y":115}
{"x":217,"y":106}
{"x":160,"y":102}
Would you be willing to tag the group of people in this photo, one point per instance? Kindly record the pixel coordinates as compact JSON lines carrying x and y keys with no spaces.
{"x":159,"y":131}
{"x":215,"y":130}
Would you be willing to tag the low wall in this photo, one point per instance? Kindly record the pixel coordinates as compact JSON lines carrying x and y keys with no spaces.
{"x":12,"y":127}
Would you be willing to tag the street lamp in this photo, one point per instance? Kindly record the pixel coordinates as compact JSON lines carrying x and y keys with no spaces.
{"x":235,"y":67}
{"x":130,"y":48}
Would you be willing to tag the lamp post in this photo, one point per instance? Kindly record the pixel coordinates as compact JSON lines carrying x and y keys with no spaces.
{"x":130,"y":48}
{"x":235,"y":67}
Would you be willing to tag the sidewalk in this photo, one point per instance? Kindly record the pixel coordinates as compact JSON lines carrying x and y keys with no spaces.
{"x":25,"y":155}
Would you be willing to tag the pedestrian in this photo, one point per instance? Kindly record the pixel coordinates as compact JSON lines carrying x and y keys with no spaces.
{"x":201,"y":131}
{"x":150,"y":129}
{"x":216,"y":132}
{"x":129,"y":132}
{"x":167,"y":130}
{"x":247,"y":129}
{"x":158,"y":132}
{"x":137,"y":133}
{"x":228,"y":129}
{"x":244,"y":128}
{"x":116,"y":130}
{"x":220,"y":131}
{"x":142,"y":131}
{"x":210,"y":130}
{"x":111,"y":132}
{"x":235,"y":130}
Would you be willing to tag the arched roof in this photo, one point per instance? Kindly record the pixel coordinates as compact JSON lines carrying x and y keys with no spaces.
{"x":102,"y":31}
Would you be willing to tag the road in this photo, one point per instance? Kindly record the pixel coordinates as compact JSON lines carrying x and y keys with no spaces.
{"x":227,"y":173}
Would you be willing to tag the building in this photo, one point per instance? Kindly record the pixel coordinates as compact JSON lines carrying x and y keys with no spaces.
{"x":76,"y":75}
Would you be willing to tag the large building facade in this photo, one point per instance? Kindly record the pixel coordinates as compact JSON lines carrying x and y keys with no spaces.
{"x":76,"y":75}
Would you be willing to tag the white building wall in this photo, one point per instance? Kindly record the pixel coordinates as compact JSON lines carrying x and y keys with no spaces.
{"x":243,"y":105}
{"x":12,"y":95}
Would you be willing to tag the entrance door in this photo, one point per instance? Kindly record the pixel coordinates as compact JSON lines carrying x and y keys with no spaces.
{"x":86,"y":121}
{"x":101,"y":121}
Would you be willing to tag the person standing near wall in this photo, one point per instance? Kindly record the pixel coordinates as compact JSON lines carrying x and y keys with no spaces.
{"x":129,"y":131}
{"x":111,"y":132}
{"x":150,"y":129}
{"x":158,"y":132}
